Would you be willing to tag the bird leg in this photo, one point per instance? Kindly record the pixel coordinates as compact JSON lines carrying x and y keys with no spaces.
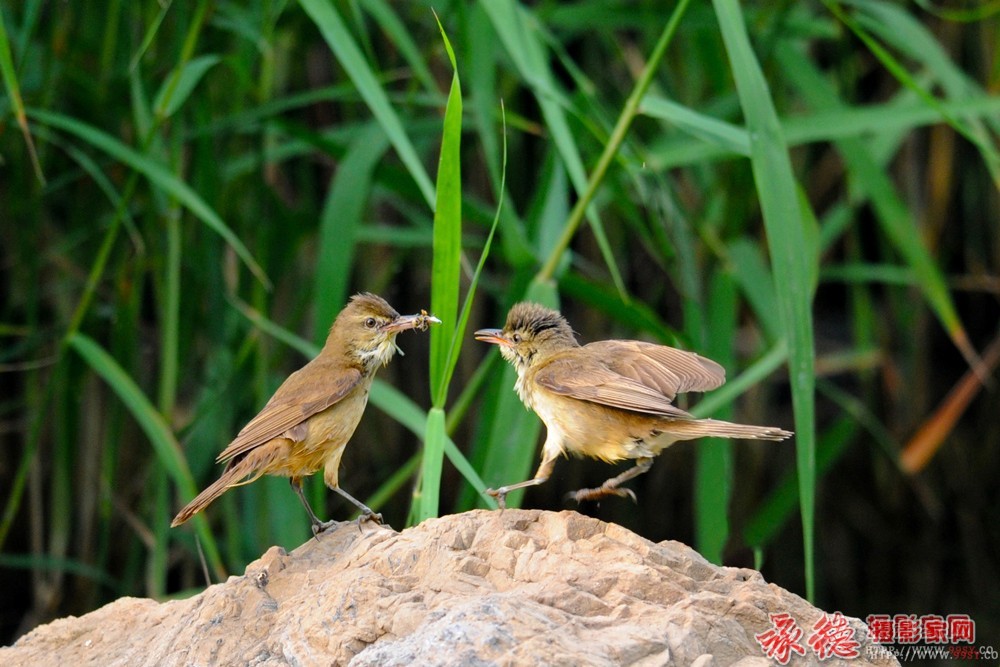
{"x":317,"y":525}
{"x":610,"y":487}
{"x":501,"y":493}
{"x":367,"y":514}
{"x":541,"y":476}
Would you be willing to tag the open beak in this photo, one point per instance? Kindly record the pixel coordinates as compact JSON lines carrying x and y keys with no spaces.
{"x":495,"y":336}
{"x":406,"y":322}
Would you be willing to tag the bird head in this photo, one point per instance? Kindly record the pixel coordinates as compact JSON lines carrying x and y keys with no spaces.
{"x":531,"y":332}
{"x":367,"y":327}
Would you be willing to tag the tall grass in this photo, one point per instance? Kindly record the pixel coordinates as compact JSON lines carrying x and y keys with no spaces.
{"x":194,"y":190}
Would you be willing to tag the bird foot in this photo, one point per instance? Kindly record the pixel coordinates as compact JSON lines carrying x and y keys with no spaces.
{"x":322,"y":526}
{"x":500,"y":495}
{"x":601,"y":492}
{"x":370,"y":516}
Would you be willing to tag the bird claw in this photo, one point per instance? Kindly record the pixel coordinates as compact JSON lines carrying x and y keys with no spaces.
{"x":323,"y":526}
{"x":601,"y":492}
{"x":370,"y":516}
{"x":500,"y":495}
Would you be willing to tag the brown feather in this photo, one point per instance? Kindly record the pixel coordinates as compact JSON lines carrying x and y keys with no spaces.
{"x":715,"y":428}
{"x":248,"y":467}
{"x":666,"y":369}
{"x":629,"y":375}
{"x":588,"y":380}
{"x":296,"y":400}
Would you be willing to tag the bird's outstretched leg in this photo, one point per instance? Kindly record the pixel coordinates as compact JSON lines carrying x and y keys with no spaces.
{"x":367,"y":514}
{"x":541,"y":476}
{"x":610,"y":487}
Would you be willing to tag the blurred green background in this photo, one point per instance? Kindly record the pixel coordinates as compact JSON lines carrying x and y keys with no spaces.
{"x":803,"y":191}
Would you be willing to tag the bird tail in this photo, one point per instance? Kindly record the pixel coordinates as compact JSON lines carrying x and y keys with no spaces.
{"x":230,"y":478}
{"x":701,"y":428}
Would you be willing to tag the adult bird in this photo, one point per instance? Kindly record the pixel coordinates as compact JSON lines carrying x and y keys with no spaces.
{"x":307,"y":423}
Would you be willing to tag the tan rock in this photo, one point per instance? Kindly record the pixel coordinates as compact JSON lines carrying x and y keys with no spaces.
{"x":519,"y":587}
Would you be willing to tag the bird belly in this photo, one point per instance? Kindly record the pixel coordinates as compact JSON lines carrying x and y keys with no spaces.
{"x":321,"y":438}
{"x":600,"y":432}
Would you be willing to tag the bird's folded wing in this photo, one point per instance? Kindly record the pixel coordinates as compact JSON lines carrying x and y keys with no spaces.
{"x":666,"y":369}
{"x":591,"y":380}
{"x":295,"y":401}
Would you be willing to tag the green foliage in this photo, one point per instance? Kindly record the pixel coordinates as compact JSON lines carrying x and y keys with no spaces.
{"x":220,"y":177}
{"x":445,"y":273}
{"x":793,"y":253}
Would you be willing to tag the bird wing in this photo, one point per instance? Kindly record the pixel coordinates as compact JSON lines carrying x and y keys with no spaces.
{"x":630,"y":375}
{"x":306,"y":392}
{"x":666,"y":369}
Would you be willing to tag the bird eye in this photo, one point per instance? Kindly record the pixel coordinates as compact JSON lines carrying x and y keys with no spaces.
{"x":370,"y":323}
{"x":516,"y":338}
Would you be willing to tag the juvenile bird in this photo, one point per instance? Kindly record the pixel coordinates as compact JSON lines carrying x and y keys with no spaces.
{"x":307,"y":423}
{"x":609,"y":400}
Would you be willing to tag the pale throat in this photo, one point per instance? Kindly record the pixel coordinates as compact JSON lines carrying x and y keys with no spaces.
{"x":380,"y":355}
{"x":520,"y":385}
{"x":522,"y":389}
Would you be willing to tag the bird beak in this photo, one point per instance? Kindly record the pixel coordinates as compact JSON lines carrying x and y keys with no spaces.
{"x":406,"y":322}
{"x":495,"y":336}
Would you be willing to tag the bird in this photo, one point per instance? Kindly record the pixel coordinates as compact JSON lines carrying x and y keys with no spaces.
{"x":310,"y":418}
{"x":610,"y":400}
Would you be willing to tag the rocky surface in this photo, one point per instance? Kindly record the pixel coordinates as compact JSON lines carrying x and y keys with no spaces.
{"x":518,"y":587}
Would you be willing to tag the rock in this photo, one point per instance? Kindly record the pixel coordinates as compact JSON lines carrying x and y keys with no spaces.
{"x":519,"y":587}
